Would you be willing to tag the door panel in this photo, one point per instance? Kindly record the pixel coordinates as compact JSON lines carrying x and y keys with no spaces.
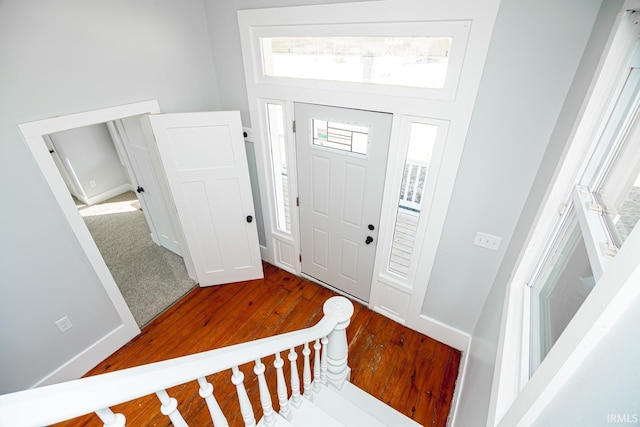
{"x":207,"y":172}
{"x":340,"y":193}
{"x":144,"y":175}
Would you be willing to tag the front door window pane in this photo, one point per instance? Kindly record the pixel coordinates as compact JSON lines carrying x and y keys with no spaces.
{"x":414,"y":61}
{"x":340,"y":136}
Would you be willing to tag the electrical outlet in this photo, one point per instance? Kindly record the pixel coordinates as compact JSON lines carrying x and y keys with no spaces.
{"x":487,"y":241}
{"x":92,"y":183}
{"x":64,"y":324}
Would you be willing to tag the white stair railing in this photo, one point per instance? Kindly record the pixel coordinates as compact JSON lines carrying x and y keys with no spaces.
{"x":64,"y":401}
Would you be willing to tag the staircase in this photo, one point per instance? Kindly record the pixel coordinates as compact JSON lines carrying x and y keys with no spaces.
{"x":322,"y":396}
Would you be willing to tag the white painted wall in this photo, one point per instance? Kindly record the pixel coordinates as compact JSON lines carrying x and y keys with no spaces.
{"x":90,"y":153}
{"x":474,"y":400}
{"x":60,"y":58}
{"x":533,"y":56}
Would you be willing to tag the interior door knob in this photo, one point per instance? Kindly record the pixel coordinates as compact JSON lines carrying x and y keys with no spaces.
{"x":249,"y":218}
{"x":368,"y":240}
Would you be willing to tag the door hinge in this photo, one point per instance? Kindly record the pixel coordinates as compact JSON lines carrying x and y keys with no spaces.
{"x":300,"y":257}
{"x":294,"y":126}
{"x":298,"y":201}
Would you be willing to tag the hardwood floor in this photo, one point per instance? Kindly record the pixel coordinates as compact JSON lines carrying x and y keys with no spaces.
{"x":409,"y":371}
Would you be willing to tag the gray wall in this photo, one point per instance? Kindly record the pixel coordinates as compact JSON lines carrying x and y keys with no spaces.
{"x":58,"y":58}
{"x":534,"y":52}
{"x":474,"y":401}
{"x":91,"y":154}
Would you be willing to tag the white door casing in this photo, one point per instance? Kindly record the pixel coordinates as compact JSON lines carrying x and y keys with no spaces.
{"x":340,"y":199}
{"x":128,"y":133}
{"x":206,"y":168}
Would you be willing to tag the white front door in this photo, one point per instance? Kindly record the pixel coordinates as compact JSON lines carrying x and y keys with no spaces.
{"x":206,"y":167}
{"x":341,"y":156}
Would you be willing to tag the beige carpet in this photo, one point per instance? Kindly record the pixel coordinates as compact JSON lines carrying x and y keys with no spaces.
{"x":151,"y":278}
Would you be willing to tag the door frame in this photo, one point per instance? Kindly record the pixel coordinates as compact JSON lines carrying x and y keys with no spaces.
{"x":396,"y":299}
{"x":33,"y":134}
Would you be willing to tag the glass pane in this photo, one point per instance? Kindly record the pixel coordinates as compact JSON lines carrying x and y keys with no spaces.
{"x":275,"y":122}
{"x":564,"y":283}
{"x":340,"y":136}
{"x":421,"y":142}
{"x":398,"y":61}
{"x":622,"y":209}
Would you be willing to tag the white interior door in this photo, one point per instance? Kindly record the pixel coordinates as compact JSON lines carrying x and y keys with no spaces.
{"x":341,"y":156}
{"x":206,"y":167}
{"x":128,"y":133}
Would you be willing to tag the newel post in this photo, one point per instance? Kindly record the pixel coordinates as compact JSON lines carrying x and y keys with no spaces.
{"x":337,"y":349}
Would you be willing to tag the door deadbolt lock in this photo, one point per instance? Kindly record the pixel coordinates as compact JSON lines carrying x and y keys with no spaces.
{"x":371,"y":227}
{"x":249,"y":218}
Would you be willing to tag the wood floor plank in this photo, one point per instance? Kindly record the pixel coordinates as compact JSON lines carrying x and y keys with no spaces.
{"x":407,"y":370}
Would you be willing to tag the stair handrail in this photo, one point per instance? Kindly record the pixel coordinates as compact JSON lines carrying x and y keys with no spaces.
{"x":50,"y":404}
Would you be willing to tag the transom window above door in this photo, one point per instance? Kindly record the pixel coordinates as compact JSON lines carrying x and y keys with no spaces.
{"x":414,"y":59}
{"x":417,"y":61}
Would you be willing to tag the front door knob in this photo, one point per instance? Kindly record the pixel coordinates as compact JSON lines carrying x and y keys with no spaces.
{"x":368,"y":240}
{"x":249,"y":218}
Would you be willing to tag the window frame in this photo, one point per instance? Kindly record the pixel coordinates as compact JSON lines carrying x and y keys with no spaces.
{"x":428,"y":195}
{"x":514,"y":396}
{"x":458,"y":30}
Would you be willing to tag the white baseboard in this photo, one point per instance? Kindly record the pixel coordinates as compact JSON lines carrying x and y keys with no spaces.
{"x":89,"y":358}
{"x":99,"y":198}
{"x":441,"y":332}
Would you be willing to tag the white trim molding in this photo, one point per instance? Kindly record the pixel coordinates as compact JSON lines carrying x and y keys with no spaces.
{"x":474,"y":23}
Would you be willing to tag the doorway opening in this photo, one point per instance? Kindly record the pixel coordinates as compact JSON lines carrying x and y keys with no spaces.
{"x":101,"y":165}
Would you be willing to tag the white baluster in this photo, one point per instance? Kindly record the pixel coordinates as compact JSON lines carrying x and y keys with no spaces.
{"x":170,"y":408}
{"x":295,"y":379}
{"x":110,"y":419}
{"x":245,"y":405}
{"x":323,"y":360}
{"x":316,"y":367}
{"x":283,"y":394}
{"x":265,"y":396}
{"x":306,"y":371}
{"x":337,"y":349}
{"x":206,"y":392}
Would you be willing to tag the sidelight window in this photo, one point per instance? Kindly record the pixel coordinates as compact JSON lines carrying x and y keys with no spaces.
{"x":413,"y":199}
{"x":277,"y":142}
